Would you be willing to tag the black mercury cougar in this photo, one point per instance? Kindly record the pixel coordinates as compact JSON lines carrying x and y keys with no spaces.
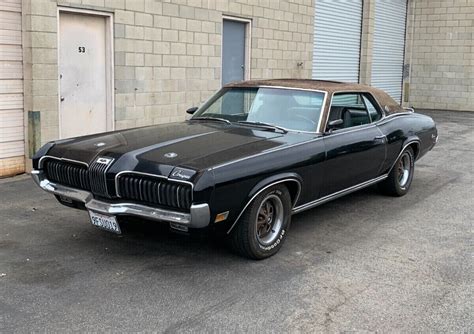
{"x":249,"y":158}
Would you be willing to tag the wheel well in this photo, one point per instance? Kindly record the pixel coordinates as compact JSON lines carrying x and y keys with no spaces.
{"x":294,"y":189}
{"x":415,"y":146}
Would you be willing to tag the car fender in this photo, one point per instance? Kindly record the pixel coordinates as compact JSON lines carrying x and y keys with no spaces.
{"x":409,"y":141}
{"x":267,"y":183}
{"x":413,"y":139}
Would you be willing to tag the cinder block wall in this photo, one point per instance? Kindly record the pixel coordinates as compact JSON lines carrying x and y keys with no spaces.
{"x":440,"y":39}
{"x":167,"y":53}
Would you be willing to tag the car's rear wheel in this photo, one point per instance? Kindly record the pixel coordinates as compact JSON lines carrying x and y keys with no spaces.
{"x":263,"y":226}
{"x":400,"y":177}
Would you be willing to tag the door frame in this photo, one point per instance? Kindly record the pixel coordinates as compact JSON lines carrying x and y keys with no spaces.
{"x":109,"y":62}
{"x":248,"y":42}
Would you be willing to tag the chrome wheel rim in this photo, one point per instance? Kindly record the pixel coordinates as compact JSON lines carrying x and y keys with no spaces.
{"x":404,"y":168}
{"x":269,"y":219}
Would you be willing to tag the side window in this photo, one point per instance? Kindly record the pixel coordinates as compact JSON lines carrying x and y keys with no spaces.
{"x":375,"y":113}
{"x":347,"y":110}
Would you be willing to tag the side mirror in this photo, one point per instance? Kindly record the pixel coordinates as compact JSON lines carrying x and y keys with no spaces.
{"x":333,"y":125}
{"x":336,"y":123}
{"x":192,"y":110}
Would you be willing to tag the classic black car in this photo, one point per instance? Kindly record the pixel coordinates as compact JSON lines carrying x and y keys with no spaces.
{"x":251,"y":156}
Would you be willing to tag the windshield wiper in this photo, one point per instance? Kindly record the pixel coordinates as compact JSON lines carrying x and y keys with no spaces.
{"x":212,"y":119}
{"x":264,"y":125}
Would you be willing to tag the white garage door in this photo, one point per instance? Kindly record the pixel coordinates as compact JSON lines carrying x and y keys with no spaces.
{"x":11,"y":81}
{"x":337,"y":32}
{"x":389,"y":46}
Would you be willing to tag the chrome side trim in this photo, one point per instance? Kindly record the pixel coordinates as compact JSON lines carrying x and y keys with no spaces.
{"x":392,"y":117}
{"x":337,"y":194}
{"x":150,"y":175}
{"x":403,"y":149}
{"x":258,"y":192}
{"x":40,"y":163}
{"x":198,"y":217}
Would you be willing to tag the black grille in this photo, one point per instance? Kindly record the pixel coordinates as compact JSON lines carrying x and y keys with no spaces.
{"x":155,"y":191}
{"x":69,"y":174}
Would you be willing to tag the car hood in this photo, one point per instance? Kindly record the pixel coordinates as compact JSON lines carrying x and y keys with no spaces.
{"x":160,"y":148}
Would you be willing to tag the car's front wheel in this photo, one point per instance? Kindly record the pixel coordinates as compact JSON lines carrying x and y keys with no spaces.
{"x":263,"y":226}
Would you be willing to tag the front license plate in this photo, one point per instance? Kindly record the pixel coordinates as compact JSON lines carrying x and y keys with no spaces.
{"x":108,"y":223}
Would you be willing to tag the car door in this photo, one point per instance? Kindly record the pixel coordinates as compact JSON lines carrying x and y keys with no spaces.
{"x":355,"y":147}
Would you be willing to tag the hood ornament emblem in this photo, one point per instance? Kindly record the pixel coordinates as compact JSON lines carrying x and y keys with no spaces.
{"x":170,"y":155}
{"x":179,"y":173}
{"x":104,"y":161}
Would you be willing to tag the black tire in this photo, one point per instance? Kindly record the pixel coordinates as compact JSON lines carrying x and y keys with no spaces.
{"x":254,"y":236}
{"x":398,"y":182}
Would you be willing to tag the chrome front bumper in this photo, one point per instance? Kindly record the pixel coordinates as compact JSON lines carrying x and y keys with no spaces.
{"x":198,"y":216}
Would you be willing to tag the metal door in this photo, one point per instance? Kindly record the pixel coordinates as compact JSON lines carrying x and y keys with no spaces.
{"x":82,"y":74}
{"x":336,"y":48}
{"x":12,"y":141}
{"x":389,"y":46}
{"x":233,"y":51}
{"x":354,"y":156}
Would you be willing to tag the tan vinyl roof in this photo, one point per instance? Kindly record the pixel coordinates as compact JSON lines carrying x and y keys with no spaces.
{"x":386,"y":102}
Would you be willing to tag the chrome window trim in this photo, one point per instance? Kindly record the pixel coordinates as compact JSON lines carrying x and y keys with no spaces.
{"x":150,"y":175}
{"x":323,"y":105}
{"x":351,"y":129}
{"x":391,"y":117}
{"x":40,"y":162}
{"x":260,"y":191}
{"x":353,"y":92}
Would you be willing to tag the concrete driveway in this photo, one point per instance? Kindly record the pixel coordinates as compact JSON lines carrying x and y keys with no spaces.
{"x":361,"y":263}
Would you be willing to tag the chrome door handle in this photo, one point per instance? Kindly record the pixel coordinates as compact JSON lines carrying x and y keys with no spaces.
{"x":377,"y":138}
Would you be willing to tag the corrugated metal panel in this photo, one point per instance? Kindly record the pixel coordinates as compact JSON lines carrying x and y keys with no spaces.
{"x":10,"y":20}
{"x":12,"y":149}
{"x":11,"y":101}
{"x":11,"y":52}
{"x":11,"y":70}
{"x":337,"y":34}
{"x":10,"y":5}
{"x":11,"y":86}
{"x":389,"y":46}
{"x":10,"y":37}
{"x":11,"y":83}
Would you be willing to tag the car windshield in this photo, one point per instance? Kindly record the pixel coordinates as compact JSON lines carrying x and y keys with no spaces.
{"x":290,"y":109}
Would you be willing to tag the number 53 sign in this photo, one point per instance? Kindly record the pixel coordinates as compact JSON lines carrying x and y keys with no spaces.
{"x":82,"y":49}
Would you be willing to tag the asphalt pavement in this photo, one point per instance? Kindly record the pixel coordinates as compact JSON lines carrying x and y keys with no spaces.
{"x":365,"y":262}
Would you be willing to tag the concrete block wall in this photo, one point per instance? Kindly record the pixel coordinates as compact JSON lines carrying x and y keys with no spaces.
{"x":440,"y":51}
{"x":167,"y":53}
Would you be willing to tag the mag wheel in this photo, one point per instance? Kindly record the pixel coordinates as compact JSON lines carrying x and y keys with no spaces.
{"x":263,"y":226}
{"x":399,"y":179}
